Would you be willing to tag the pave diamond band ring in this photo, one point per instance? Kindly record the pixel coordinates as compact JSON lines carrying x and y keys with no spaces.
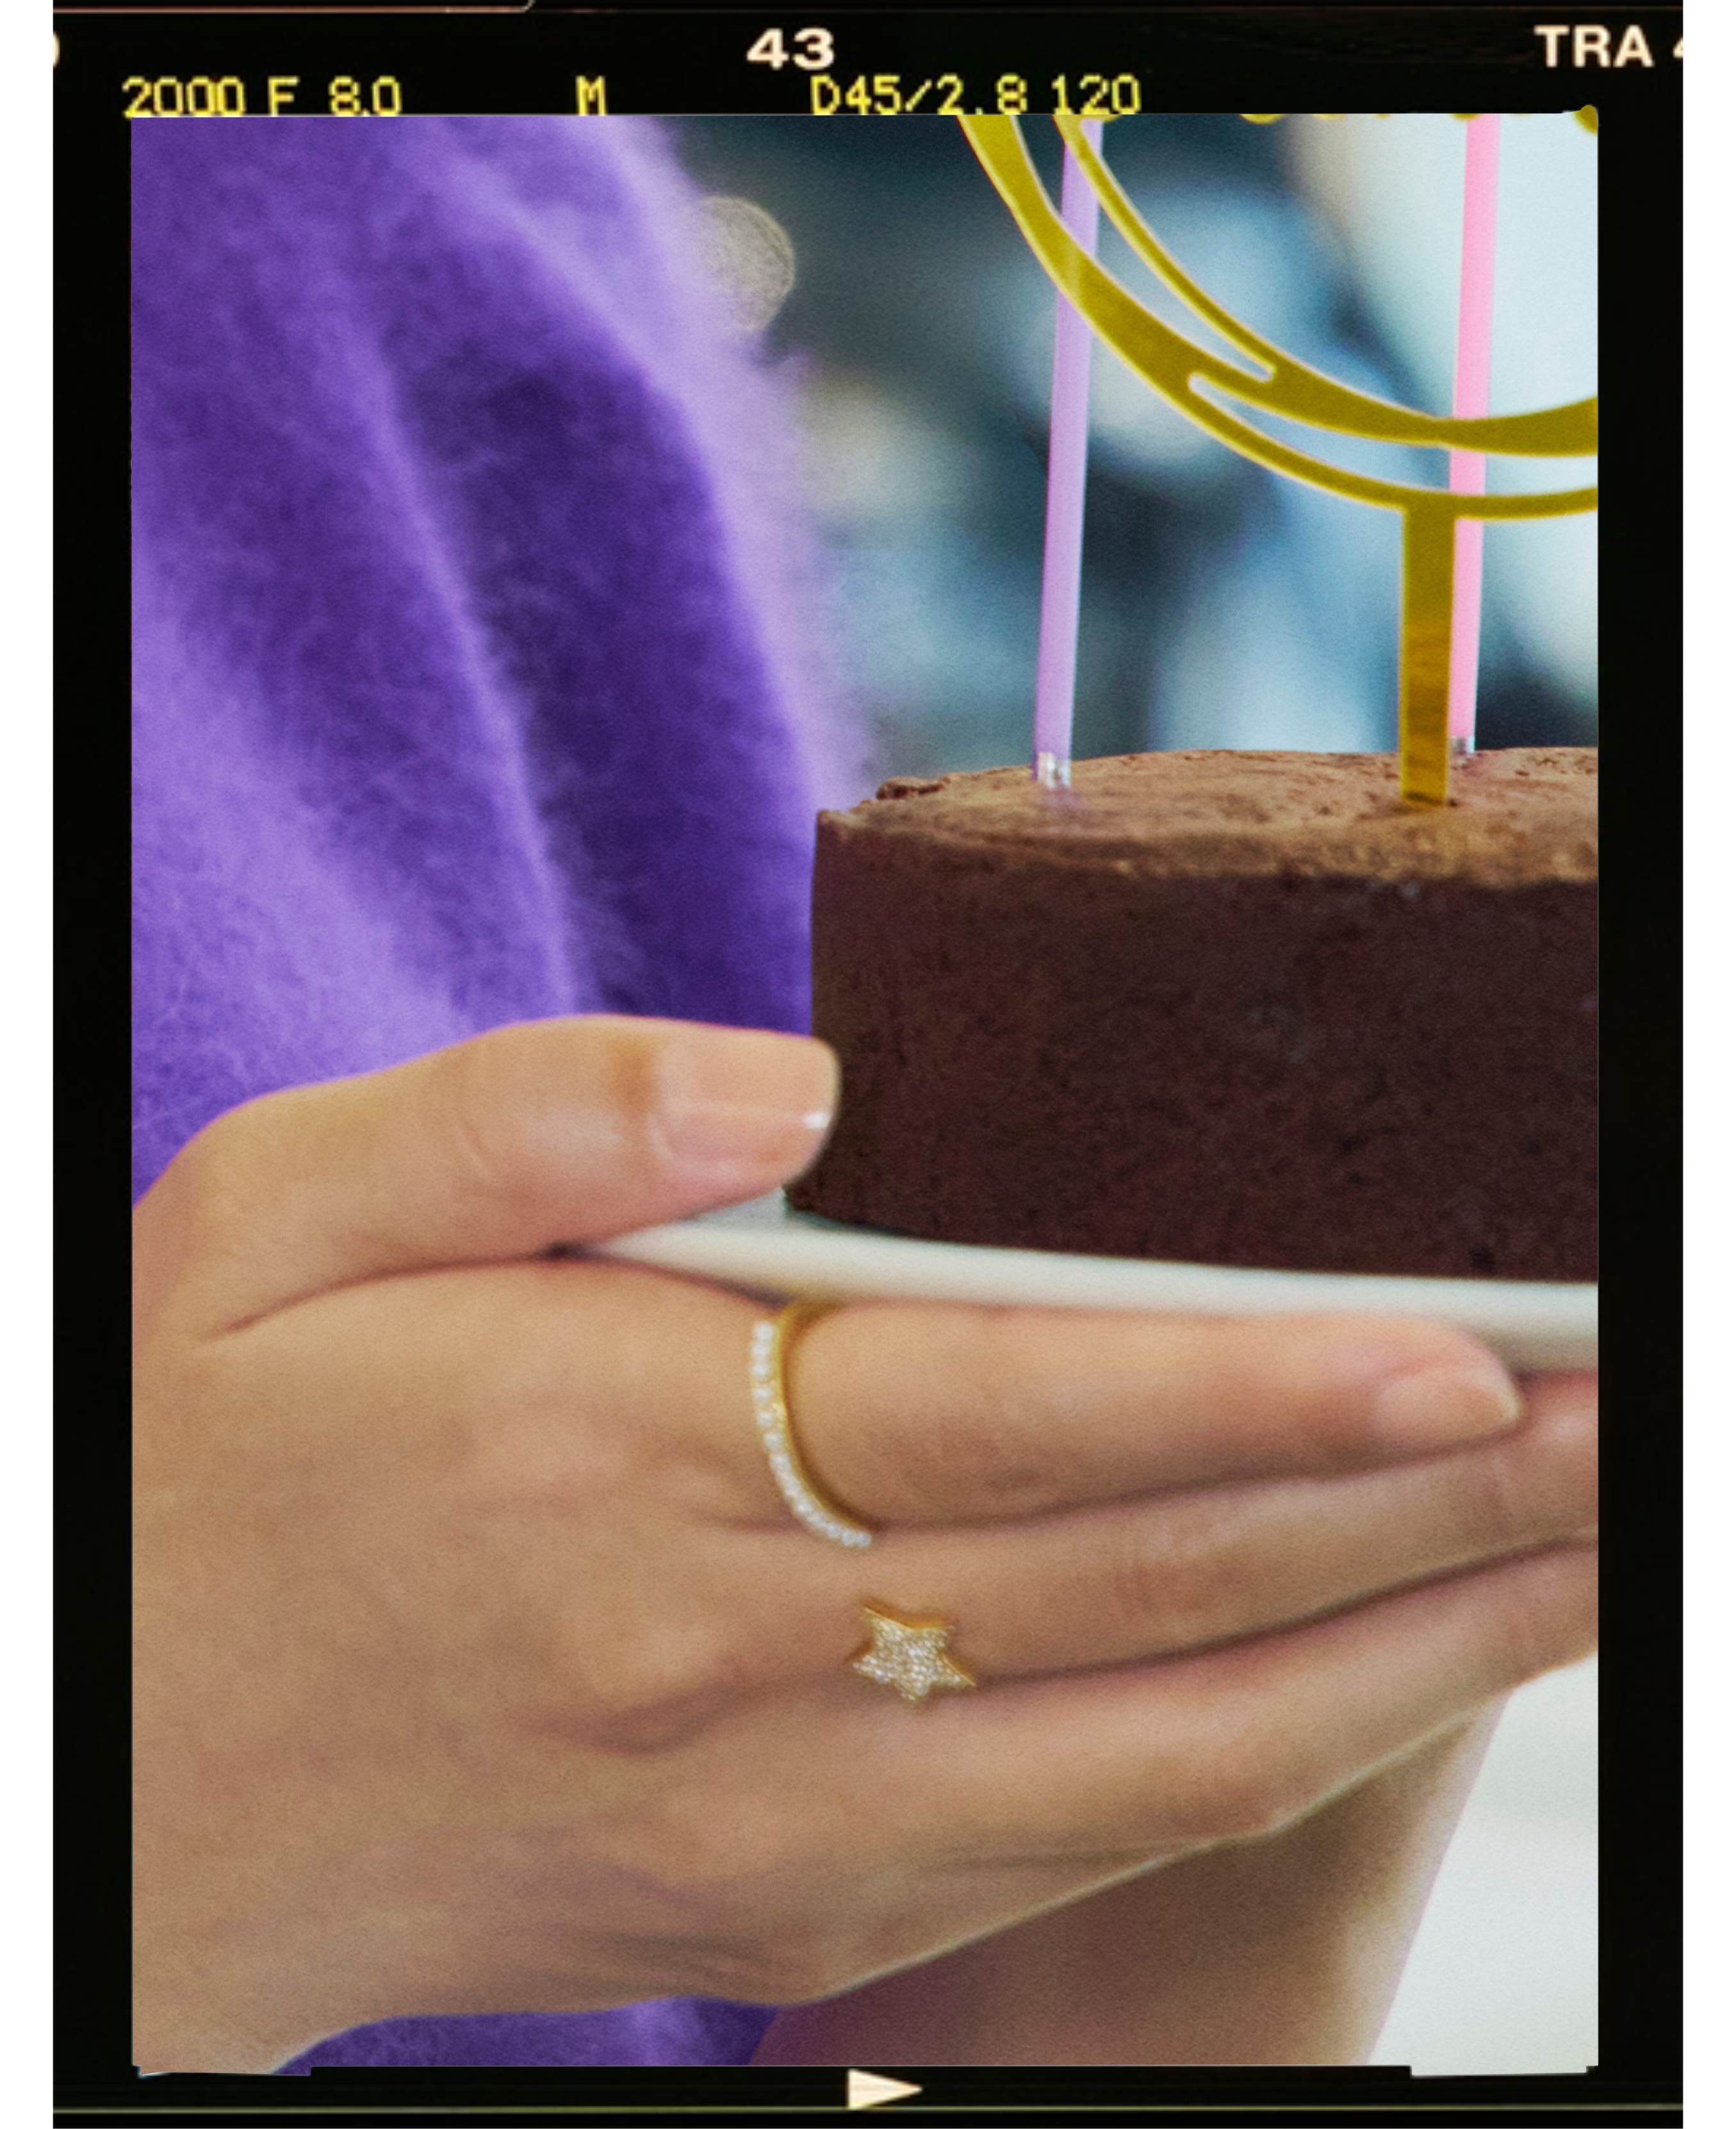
{"x":766,"y":1357}
{"x":909,"y":1656}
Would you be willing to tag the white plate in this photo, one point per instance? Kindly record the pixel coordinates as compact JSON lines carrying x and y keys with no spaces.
{"x":769,"y":1249}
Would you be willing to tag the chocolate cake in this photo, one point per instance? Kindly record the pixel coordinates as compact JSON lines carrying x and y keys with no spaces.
{"x":1237,"y":1008}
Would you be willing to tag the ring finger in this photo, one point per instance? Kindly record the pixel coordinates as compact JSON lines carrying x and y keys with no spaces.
{"x":1140,"y":1580}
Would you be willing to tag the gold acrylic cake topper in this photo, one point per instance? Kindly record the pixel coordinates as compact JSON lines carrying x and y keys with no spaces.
{"x":1281,"y":386}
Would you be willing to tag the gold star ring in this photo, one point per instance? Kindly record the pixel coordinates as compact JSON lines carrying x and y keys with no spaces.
{"x":909,"y":1655}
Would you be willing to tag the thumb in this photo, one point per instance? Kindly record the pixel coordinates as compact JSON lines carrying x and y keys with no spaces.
{"x":554,"y":1130}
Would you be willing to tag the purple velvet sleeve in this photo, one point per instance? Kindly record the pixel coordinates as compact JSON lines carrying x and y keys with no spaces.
{"x":468,"y":683}
{"x":467,"y":689}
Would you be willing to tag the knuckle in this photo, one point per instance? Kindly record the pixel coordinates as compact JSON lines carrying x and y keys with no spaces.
{"x":635,"y":1692}
{"x":1574,"y":1459}
{"x":810,"y":1972}
{"x":518,"y":1102}
{"x":1180,"y":1586}
{"x":1529,"y":1491}
{"x":997,"y":1451}
{"x":208,"y":1177}
{"x":1549,"y":1616}
{"x":787,"y":1969}
{"x":732,"y":1879}
{"x":1242,"y":1800}
{"x":967,"y":1465}
{"x":1500,"y":1510}
{"x":744,"y":1879}
{"x":797,"y":1960}
{"x":633,"y":1064}
{"x":724,"y":1850}
{"x":475,"y":1082}
{"x":1240,"y":1785}
{"x":203,"y":1213}
{"x":1206,"y":1792}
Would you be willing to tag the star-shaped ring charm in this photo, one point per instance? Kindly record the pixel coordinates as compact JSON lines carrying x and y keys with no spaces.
{"x":911,"y":1655}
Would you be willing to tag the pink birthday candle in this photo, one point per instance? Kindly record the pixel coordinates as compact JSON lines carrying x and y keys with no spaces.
{"x":1063,"y":529}
{"x":1467,"y":470}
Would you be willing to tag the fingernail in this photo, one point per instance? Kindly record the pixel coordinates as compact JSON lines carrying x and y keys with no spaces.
{"x":747,"y":1102}
{"x":1433,"y":1408}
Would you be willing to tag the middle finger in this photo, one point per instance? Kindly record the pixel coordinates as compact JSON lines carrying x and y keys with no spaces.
{"x":924,"y":1413}
{"x":1136,"y":1580}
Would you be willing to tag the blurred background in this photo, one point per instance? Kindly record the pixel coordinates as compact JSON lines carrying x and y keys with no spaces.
{"x":1222,"y":606}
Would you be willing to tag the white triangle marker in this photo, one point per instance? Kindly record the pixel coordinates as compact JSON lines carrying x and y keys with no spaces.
{"x":862,"y":2088}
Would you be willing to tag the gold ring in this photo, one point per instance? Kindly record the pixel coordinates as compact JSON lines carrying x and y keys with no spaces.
{"x":909,"y":1655}
{"x":767,"y":1356}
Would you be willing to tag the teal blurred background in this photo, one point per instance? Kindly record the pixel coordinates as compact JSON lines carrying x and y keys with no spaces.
{"x":1223,"y":604}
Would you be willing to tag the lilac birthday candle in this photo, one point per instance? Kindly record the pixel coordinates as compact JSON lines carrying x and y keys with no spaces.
{"x":1064,"y":530}
{"x":1467,"y":469}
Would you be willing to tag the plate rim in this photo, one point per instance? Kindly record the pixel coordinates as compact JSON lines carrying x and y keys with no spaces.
{"x":765,"y":1243}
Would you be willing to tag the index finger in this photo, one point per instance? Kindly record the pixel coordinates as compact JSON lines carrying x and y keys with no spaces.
{"x":931,"y":1413}
{"x":543,"y":1133}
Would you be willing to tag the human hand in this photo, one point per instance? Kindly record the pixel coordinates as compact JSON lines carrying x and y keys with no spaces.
{"x":481,"y":1667}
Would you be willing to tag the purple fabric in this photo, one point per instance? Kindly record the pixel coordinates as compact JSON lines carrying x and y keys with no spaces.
{"x":679,"y":2029}
{"x":469,"y":681}
{"x":467,"y":689}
